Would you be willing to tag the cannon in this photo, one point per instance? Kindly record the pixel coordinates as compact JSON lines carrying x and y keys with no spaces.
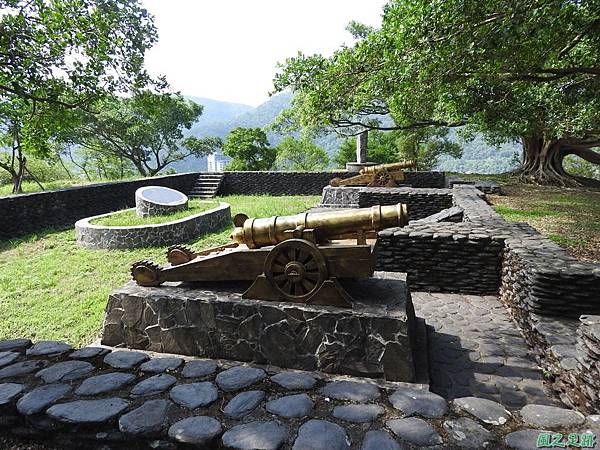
{"x":383,"y":175}
{"x":299,"y":258}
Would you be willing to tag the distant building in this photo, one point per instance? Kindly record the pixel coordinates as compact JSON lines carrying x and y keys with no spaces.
{"x":217,"y":162}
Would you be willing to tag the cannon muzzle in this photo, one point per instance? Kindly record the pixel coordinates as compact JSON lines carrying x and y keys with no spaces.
{"x":389,"y":167}
{"x":256,"y":233}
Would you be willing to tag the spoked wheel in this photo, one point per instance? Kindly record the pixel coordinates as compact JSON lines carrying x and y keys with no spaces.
{"x":382,"y":178}
{"x":296,"y":269}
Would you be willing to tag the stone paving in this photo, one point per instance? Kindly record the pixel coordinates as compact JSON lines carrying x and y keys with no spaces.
{"x":476,"y":350}
{"x":169,"y":402}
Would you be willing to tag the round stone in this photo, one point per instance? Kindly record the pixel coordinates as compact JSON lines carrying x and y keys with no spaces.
{"x":379,"y":440}
{"x":239,"y":377}
{"x":104,"y":383}
{"x":8,"y":392}
{"x":321,"y":434}
{"x":551,"y":416}
{"x":88,"y":411}
{"x":148,"y":419}
{"x":357,"y":413}
{"x":485,"y":410}
{"x":466,"y":433}
{"x":243,"y":404}
{"x":194,"y":395}
{"x":255,"y":436}
{"x":124,"y":359}
{"x":294,"y":380}
{"x":14,"y":344}
{"x":159,"y":365}
{"x":65,"y":371}
{"x":41,"y":397}
{"x":199,"y":430}
{"x":48,"y":348}
{"x":414,"y":401}
{"x":351,"y":390}
{"x":153,"y":385}
{"x":7,"y":358}
{"x":199,"y":368}
{"x":88,"y":352}
{"x":291,"y":406}
{"x":523,"y":439}
{"x":415,"y":431}
{"x":21,"y":368}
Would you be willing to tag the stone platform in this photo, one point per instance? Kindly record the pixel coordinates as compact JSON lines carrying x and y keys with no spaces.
{"x":373,"y":339}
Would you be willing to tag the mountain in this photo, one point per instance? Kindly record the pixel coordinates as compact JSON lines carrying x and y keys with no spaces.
{"x":219,"y":118}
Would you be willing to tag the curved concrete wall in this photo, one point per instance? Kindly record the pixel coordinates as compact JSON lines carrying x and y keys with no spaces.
{"x":169,"y":233}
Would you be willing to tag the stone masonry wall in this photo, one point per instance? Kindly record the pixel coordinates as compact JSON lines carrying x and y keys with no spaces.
{"x":97,"y":236}
{"x":305,"y":183}
{"x":29,"y":213}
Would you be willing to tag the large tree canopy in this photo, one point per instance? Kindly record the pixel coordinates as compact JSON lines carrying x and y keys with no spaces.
{"x":68,"y":51}
{"x":61,"y":56}
{"x":146,"y":129}
{"x":513,"y":69}
{"x":249,"y":149}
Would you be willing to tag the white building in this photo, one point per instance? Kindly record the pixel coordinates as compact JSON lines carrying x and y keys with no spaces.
{"x":217,"y":162}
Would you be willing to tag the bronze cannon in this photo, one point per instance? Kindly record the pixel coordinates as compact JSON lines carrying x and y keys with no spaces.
{"x":296,"y":258}
{"x":383,"y":175}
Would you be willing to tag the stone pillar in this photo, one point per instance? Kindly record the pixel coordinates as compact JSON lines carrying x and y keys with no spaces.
{"x":361,"y":147}
{"x":361,"y":153}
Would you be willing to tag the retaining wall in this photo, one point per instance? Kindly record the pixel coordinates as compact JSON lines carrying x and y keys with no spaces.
{"x":168,"y":233}
{"x":28,"y":213}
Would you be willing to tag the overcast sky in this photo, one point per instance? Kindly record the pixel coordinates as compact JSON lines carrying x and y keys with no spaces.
{"x":228,"y":49}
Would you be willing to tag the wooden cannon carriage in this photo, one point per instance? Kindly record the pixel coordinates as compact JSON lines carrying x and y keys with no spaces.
{"x":289,"y":258}
{"x":383,"y":175}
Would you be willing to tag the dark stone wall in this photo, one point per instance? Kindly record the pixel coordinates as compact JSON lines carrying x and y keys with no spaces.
{"x":276,"y":183}
{"x":443,"y":257}
{"x":306,"y":183}
{"x":29,"y":213}
{"x":421,"y":202}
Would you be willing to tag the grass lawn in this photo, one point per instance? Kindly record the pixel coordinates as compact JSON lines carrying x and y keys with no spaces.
{"x":570,"y":217}
{"x":129,"y":218}
{"x":50,"y":288}
{"x":31,"y":186}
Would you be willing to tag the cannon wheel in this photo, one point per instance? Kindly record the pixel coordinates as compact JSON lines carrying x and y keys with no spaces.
{"x":296,"y":269}
{"x":382,"y":178}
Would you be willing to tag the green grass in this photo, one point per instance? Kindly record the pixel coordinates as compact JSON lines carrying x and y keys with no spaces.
{"x":569,"y":217}
{"x":50,"y":288}
{"x":129,"y":218}
{"x":31,"y":186}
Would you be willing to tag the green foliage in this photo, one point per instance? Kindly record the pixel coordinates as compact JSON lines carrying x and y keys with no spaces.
{"x":62,"y":56}
{"x":61,"y":292}
{"x":68,"y":52}
{"x":146,"y":129}
{"x":249,"y":149}
{"x":424,"y":146}
{"x":578,"y":166}
{"x":510,"y":69}
{"x":300,"y":155}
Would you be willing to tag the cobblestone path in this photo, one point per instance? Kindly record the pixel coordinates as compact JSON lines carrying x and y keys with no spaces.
{"x":476,"y":350}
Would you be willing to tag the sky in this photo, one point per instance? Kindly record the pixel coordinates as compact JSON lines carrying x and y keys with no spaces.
{"x":228,"y":49}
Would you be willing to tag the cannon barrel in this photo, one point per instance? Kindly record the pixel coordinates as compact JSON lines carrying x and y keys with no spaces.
{"x":256,"y":233}
{"x":389,"y":167}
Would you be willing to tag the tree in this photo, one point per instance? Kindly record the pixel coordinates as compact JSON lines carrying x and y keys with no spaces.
{"x":300,"y":155}
{"x":423,"y":146}
{"x":512,"y":69}
{"x":146,"y":129}
{"x":63,"y":55}
{"x":249,"y":149}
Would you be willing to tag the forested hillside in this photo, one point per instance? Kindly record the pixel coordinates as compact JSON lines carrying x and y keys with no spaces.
{"x":219,"y":118}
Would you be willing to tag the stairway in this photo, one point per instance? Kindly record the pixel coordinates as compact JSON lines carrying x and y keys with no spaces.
{"x":207,"y":185}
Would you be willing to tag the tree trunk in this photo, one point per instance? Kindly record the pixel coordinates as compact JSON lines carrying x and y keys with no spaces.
{"x":542,"y":161}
